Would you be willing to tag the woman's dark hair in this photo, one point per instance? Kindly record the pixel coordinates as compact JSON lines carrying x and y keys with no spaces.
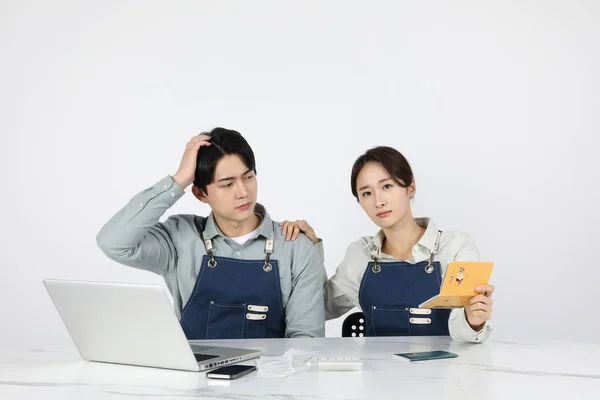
{"x":390,"y":159}
{"x":223,"y":142}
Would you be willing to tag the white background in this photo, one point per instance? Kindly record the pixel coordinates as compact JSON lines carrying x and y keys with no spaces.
{"x":495,"y":105}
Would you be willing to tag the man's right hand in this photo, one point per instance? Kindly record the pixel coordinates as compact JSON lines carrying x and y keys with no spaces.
{"x":184,"y":176}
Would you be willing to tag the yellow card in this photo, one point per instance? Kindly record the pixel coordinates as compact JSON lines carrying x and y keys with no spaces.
{"x":462,"y":277}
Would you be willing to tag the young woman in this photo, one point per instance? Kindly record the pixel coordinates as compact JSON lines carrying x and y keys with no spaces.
{"x":388,"y":275}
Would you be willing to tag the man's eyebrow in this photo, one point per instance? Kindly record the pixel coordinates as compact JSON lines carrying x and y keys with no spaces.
{"x":230,"y":178}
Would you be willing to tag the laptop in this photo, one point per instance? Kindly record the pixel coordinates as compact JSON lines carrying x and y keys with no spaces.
{"x":459,"y":284}
{"x":132,"y":324}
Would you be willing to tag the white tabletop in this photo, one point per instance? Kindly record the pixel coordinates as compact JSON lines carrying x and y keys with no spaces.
{"x":493,"y":370}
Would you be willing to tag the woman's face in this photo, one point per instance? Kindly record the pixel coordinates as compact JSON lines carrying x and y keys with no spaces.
{"x":383,"y":199}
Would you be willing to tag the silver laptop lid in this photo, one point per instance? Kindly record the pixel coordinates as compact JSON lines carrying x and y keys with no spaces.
{"x":130,"y":324}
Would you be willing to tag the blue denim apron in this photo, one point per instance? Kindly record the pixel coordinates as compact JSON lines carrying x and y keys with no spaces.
{"x":390,"y":294}
{"x":235,"y":299}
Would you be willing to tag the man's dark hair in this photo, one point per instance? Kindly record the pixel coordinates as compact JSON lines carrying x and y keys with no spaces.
{"x":223,"y":142}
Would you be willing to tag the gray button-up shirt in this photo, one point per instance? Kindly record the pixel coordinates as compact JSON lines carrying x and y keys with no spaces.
{"x":174,"y":250}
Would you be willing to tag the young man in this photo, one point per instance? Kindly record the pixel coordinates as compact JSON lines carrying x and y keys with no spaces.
{"x":232,"y":275}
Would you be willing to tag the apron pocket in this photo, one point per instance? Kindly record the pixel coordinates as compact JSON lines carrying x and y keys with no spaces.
{"x":256,"y":325}
{"x":437,"y":326}
{"x":225,"y":321}
{"x":390,"y":321}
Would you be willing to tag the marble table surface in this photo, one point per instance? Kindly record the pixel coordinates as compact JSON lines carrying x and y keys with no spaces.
{"x":498,"y":369}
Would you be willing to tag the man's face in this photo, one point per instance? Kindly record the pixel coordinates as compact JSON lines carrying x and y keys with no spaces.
{"x":232,"y":194}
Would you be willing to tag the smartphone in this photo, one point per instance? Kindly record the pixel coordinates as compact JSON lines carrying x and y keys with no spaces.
{"x":231,"y":371}
{"x":426,"y":355}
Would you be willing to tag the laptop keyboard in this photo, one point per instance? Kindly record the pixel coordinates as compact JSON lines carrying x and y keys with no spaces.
{"x":204,"y":357}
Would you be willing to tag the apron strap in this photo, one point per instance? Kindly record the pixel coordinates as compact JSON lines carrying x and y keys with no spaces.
{"x":376,"y":251}
{"x":434,"y":252}
{"x":269,"y":250}
{"x":201,"y":225}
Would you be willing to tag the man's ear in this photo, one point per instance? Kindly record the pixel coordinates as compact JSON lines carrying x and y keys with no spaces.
{"x":199,"y":194}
